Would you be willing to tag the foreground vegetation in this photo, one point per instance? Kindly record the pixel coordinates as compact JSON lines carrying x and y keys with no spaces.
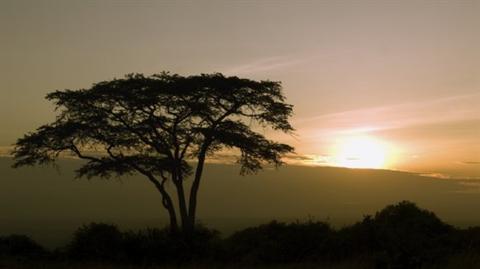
{"x":399,"y":236}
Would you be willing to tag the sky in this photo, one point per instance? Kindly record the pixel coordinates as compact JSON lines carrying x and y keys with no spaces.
{"x":381,"y":84}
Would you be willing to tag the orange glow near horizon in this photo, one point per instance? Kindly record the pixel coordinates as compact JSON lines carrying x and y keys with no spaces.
{"x":361,"y":151}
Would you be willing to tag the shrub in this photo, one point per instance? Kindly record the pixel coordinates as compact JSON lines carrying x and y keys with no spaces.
{"x":411,"y":236}
{"x":96,"y":241}
{"x":278,"y":242}
{"x":20,"y":246}
{"x":399,"y":236}
{"x":161,"y":246}
{"x":104,"y":242}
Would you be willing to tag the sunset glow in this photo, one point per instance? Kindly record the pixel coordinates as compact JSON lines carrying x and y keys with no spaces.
{"x":361,"y":152}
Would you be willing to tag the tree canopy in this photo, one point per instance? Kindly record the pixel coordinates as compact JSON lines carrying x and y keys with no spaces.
{"x":156,"y":125}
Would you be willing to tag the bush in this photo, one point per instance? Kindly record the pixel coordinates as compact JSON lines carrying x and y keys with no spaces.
{"x":161,"y":246}
{"x":104,"y":242}
{"x":468,"y":240}
{"x":278,"y":242}
{"x":399,"y":236}
{"x":412,"y":237}
{"x":97,"y":242}
{"x":20,"y":246}
{"x":360,"y":239}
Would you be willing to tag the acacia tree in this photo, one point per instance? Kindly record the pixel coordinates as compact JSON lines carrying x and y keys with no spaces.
{"x":164,"y":127}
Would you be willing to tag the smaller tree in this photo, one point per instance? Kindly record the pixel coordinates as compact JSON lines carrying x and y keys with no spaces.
{"x":155,"y":125}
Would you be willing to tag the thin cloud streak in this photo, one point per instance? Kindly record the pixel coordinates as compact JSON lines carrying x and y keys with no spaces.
{"x":264,"y":65}
{"x":448,"y":109}
{"x":281,"y":62}
{"x":5,"y":151}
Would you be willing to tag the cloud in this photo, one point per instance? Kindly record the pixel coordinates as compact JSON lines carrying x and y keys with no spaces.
{"x":281,"y":62}
{"x":299,"y":157}
{"x":263,"y":65}
{"x":441,"y":110}
{"x":5,"y":151}
{"x":471,"y":162}
{"x":308,"y":159}
{"x":436,"y":175}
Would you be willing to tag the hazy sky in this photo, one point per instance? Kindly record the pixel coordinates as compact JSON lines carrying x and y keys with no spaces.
{"x":406,"y":74}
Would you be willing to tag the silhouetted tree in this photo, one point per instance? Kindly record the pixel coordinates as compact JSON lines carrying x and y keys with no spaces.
{"x":153,"y":125}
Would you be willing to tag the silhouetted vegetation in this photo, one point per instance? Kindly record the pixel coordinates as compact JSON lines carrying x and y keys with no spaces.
{"x":153,"y":125}
{"x":281,"y":243}
{"x":20,"y":247}
{"x":399,"y":236}
{"x":97,"y":242}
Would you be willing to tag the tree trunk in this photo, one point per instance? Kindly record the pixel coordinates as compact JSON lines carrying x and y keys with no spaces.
{"x":166,"y":201}
{"x":192,"y":209}
{"x":168,"y":204}
{"x":182,"y":205}
{"x":172,"y":216}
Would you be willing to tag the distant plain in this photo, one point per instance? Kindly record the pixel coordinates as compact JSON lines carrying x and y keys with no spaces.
{"x":49,"y":203}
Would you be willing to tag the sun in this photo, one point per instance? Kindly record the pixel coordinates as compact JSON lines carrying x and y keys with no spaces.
{"x":361,"y":151}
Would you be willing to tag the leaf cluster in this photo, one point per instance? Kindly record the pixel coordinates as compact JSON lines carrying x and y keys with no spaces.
{"x":156,"y":124}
